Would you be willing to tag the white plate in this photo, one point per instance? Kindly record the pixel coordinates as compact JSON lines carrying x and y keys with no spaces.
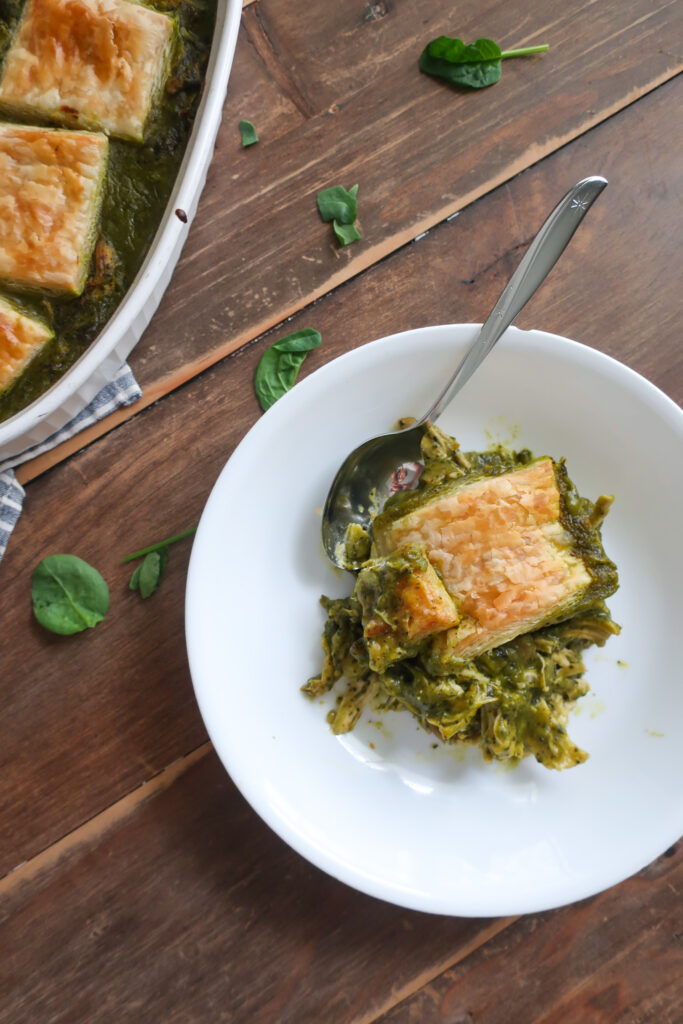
{"x":437,"y":829}
{"x":102,"y":360}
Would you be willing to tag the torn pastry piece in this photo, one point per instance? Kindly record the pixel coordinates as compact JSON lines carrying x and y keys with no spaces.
{"x":21,"y":338}
{"x":502,"y":552}
{"x":95,"y":64}
{"x":403,"y":602}
{"x":51,"y":185}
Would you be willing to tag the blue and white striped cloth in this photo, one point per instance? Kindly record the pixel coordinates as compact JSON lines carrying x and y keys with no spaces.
{"x":123,"y":390}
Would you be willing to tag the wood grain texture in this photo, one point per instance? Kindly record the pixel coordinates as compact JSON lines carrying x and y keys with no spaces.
{"x":192,"y":910}
{"x":124,"y":690}
{"x":349,"y":105}
{"x":615,"y":957}
{"x":93,"y":829}
{"x":253,"y":94}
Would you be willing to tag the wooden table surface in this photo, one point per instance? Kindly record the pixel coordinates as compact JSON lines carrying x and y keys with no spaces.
{"x":137,"y":883}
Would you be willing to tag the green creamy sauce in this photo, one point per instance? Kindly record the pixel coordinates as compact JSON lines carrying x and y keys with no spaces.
{"x":513,"y":700}
{"x":139,"y":183}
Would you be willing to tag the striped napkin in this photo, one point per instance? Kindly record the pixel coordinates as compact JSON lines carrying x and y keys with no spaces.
{"x":123,"y":390}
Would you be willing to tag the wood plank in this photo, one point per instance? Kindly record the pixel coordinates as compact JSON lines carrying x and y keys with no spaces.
{"x":616,"y":957}
{"x":258,"y":252}
{"x":123,"y":691}
{"x":252,"y":94}
{"x":191,"y":909}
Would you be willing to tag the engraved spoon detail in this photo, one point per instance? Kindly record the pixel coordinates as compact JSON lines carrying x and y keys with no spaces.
{"x":387,"y":463}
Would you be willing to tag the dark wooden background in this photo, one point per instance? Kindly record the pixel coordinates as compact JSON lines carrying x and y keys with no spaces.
{"x":136,"y":883}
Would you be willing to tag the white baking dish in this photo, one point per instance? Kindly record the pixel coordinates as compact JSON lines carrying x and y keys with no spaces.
{"x":100,"y":362}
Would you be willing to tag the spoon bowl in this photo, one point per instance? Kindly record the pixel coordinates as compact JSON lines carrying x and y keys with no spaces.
{"x":367,"y":477}
{"x":393,"y":462}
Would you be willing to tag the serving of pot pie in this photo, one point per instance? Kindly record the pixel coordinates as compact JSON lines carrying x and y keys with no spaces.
{"x":482,"y":589}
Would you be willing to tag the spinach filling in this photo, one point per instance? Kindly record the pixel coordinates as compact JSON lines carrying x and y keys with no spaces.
{"x":139,"y":183}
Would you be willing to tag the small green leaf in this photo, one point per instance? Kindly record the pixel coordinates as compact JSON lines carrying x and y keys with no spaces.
{"x":68,"y":595}
{"x":337,"y":204}
{"x":279,"y":365}
{"x":346,"y":233}
{"x":135,"y":579}
{"x":248,"y":132}
{"x":472,"y":65}
{"x":151,"y":571}
{"x":469,"y":76}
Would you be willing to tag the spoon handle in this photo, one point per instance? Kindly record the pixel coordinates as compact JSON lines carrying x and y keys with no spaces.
{"x":536,"y":264}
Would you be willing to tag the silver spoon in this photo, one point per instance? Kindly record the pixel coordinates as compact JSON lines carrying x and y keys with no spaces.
{"x":371,"y":472}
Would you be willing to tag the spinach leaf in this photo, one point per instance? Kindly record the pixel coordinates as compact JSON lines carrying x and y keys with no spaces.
{"x":135,"y":579}
{"x":151,"y":571}
{"x":248,"y":133}
{"x":337,"y":204}
{"x":279,"y":365}
{"x":472,"y":65}
{"x":346,"y":233}
{"x":68,"y":595}
{"x":147,"y":575}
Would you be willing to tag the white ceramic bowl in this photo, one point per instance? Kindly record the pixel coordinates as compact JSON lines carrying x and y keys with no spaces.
{"x":100,"y":362}
{"x":440,"y":829}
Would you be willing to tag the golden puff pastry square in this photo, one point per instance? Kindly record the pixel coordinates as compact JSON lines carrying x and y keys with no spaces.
{"x":51,"y":185}
{"x":94,"y":64}
{"x":502,"y":553}
{"x":21,"y":338}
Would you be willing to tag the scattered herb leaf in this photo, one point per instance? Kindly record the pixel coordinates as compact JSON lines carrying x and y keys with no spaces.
{"x":472,"y":65}
{"x":68,"y":595}
{"x":279,"y":365}
{"x":135,"y":579}
{"x":161,"y":544}
{"x":248,"y":133}
{"x":150,"y":572}
{"x":346,"y":233}
{"x":337,"y":204}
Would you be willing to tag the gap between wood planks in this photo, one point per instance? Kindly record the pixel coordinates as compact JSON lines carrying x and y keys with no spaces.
{"x":367,"y":258}
{"x":257,"y":34}
{"x":402,"y":994}
{"x":96,"y":826}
